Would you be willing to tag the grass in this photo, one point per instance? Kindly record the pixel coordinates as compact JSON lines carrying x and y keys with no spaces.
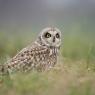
{"x":73,"y":75}
{"x":70,"y":78}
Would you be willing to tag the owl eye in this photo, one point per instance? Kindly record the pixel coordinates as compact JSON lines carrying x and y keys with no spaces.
{"x":57,"y":35}
{"x":47,"y":35}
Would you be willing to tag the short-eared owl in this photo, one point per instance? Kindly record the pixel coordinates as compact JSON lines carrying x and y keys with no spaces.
{"x":40,"y":55}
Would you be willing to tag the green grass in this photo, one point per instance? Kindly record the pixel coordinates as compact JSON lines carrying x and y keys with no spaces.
{"x":74,"y":75}
{"x":70,"y":78}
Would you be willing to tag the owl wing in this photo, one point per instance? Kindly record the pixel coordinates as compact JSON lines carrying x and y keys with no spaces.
{"x":27,"y":59}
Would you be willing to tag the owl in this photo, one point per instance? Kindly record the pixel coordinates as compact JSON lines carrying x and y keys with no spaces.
{"x":40,"y":55}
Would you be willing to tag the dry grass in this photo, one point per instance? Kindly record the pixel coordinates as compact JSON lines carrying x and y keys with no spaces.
{"x":67,"y":78}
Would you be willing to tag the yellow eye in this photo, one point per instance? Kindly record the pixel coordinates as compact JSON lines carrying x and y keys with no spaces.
{"x":57,"y":35}
{"x":47,"y":35}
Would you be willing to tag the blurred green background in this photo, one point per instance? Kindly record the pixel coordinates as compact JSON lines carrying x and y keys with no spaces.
{"x":20,"y":23}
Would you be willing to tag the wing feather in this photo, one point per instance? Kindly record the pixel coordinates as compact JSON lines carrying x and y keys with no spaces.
{"x":27,"y":58}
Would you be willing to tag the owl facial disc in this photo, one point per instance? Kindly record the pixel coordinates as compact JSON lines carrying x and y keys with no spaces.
{"x":51,"y":37}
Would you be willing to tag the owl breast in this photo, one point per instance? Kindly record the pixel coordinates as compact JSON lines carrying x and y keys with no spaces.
{"x":47,"y":61}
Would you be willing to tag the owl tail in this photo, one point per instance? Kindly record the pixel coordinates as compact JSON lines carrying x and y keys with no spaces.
{"x":3,"y":70}
{"x":3,"y":73}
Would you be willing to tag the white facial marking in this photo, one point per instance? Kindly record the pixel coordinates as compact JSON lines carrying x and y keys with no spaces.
{"x":49,"y":37}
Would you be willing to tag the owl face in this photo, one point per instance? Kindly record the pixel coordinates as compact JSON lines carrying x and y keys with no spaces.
{"x":51,"y":37}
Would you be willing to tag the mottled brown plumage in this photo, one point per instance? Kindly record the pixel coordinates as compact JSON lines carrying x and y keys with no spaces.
{"x":40,"y":55}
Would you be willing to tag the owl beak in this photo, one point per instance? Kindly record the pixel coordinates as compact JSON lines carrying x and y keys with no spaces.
{"x":53,"y":39}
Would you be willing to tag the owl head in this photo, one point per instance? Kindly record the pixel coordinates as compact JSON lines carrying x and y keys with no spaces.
{"x":50,"y":37}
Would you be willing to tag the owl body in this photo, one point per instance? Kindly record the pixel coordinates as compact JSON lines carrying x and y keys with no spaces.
{"x":40,"y":55}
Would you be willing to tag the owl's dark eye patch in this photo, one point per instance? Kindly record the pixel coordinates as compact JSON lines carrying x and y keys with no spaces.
{"x":57,"y":35}
{"x":47,"y":35}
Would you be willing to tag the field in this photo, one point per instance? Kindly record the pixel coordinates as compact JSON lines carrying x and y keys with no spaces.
{"x":73,"y":75}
